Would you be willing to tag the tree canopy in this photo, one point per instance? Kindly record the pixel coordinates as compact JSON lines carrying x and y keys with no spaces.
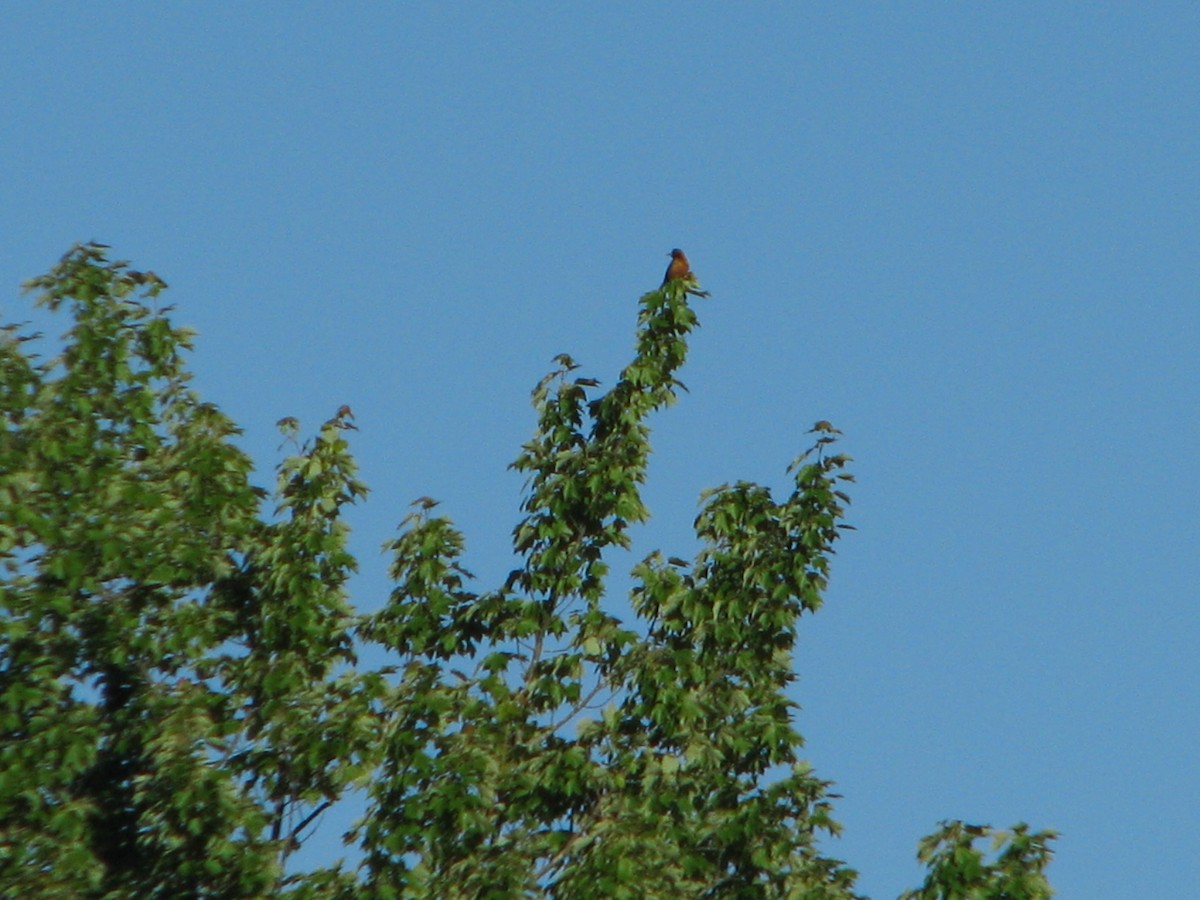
{"x":181,"y":695}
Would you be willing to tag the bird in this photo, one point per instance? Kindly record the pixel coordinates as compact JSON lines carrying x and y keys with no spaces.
{"x":679,"y":267}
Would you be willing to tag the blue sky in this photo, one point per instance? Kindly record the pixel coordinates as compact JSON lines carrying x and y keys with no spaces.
{"x":967,"y":234}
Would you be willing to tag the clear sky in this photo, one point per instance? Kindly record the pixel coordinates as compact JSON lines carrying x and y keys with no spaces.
{"x":967,"y":234}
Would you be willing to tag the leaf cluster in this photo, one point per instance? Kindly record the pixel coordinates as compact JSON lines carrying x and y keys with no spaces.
{"x":960,"y":870}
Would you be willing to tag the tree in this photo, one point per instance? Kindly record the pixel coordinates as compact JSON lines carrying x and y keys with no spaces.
{"x":180,"y":696}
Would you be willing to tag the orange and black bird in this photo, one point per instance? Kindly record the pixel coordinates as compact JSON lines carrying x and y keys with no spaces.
{"x":678,"y":267}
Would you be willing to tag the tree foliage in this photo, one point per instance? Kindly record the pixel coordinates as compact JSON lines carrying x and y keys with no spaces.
{"x":959,"y":870}
{"x":180,"y":695}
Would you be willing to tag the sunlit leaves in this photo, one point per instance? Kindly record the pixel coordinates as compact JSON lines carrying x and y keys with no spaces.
{"x":161,"y":644}
{"x":1011,"y":868}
